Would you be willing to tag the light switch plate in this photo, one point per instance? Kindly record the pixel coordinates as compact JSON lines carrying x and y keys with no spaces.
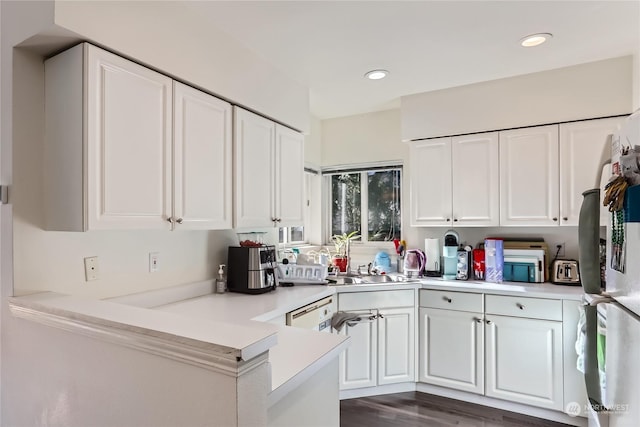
{"x":154,"y":260}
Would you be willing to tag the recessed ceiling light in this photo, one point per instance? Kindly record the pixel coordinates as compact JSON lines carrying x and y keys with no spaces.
{"x":535,"y":39}
{"x":376,"y":74}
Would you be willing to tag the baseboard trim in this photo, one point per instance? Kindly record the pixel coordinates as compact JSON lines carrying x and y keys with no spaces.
{"x":377,"y":391}
{"x":547,"y":414}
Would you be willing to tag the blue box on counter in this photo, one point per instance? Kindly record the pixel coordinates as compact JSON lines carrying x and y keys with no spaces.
{"x":494,"y":260}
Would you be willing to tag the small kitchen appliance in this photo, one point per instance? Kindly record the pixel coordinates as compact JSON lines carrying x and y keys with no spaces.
{"x":565,"y":272}
{"x":450,"y":254}
{"x":252,"y":270}
{"x":432,"y":251}
{"x":464,"y":264}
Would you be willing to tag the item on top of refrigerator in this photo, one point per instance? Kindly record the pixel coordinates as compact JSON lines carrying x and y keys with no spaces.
{"x":494,"y":260}
{"x":614,"y":193}
{"x":630,"y":164}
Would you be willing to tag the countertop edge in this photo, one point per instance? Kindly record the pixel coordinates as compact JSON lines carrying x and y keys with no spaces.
{"x":177,"y":337}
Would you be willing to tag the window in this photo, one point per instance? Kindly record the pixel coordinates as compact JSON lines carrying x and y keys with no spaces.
{"x":296,"y":235}
{"x":372,"y":194}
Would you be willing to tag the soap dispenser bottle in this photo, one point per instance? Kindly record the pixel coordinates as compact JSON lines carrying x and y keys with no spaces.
{"x":221,"y":282}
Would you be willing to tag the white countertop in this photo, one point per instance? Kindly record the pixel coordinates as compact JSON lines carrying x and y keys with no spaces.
{"x":299,"y":350}
{"x":298,"y":354}
{"x":537,"y":290}
{"x":233,"y":307}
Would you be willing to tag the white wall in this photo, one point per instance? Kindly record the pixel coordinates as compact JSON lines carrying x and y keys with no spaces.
{"x":636,"y":81}
{"x":363,"y":138}
{"x":168,"y":36}
{"x":313,"y":160}
{"x":377,"y":137}
{"x":46,"y":260}
{"x":595,"y":89}
{"x":175,"y":38}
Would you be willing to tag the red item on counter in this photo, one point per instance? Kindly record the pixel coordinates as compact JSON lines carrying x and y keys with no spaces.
{"x":478,"y":264}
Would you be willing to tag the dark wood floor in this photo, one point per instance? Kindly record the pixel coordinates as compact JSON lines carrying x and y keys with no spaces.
{"x":425,"y":410}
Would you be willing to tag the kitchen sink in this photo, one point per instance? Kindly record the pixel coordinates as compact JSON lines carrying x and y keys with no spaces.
{"x":368,"y":280}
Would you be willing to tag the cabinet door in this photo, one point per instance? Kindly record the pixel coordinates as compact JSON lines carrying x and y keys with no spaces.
{"x":128,"y":121}
{"x":581,"y":147}
{"x":359,"y":361}
{"x":289,"y":169}
{"x":476,"y":180}
{"x":254,"y":151}
{"x":452,"y":349}
{"x":202,"y":160}
{"x":524,"y":361}
{"x":396,"y":328}
{"x":430,"y":185}
{"x":529,"y":176}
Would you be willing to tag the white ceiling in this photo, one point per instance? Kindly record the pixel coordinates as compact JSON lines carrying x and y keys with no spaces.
{"x":426,"y":45}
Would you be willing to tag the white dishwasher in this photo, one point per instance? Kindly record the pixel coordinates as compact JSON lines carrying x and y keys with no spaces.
{"x":315,"y":316}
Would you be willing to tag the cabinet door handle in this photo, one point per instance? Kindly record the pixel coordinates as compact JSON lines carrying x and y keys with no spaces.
{"x":564,"y":218}
{"x":447,"y":299}
{"x":179,"y":220}
{"x":555,"y":218}
{"x":380,"y":316}
{"x":170,"y":219}
{"x":448,"y":219}
{"x":489,"y":322}
{"x":520,"y":306}
{"x":478,"y":320}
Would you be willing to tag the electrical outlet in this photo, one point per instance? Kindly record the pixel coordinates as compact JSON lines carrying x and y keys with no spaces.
{"x":560,"y":249}
{"x":154,"y":262}
{"x":91,"y":268}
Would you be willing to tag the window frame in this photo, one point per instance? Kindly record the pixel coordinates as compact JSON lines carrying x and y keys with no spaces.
{"x":286,"y":231}
{"x":364,"y":197}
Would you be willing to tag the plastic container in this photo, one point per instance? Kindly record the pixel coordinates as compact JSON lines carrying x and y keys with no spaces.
{"x":221,"y":282}
{"x":494,"y":260}
{"x":251,"y":239}
{"x":308,"y":273}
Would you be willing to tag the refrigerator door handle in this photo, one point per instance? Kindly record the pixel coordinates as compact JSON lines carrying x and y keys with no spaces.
{"x":603,"y":298}
{"x":591,"y":372}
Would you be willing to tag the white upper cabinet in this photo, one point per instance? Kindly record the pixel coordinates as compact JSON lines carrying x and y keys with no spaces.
{"x":202,"y":167}
{"x":269,"y":165}
{"x":455,"y":181}
{"x":476,"y":180}
{"x":129,"y":148}
{"x":529,"y":176}
{"x":108,"y":143}
{"x":430,"y":193}
{"x":289,"y":181}
{"x":581,"y":147}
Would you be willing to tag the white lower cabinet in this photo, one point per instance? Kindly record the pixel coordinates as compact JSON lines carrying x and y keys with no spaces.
{"x":452,"y":349}
{"x":359,"y":362}
{"x":524,"y":360}
{"x":396,"y":328}
{"x":382,"y":349}
{"x":504,"y":347}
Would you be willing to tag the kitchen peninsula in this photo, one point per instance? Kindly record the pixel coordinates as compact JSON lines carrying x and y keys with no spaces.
{"x":234,"y":370}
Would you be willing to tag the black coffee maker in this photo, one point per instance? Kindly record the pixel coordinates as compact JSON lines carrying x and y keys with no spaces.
{"x":252,"y":270}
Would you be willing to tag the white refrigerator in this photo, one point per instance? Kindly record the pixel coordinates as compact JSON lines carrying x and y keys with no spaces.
{"x":612,"y":359}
